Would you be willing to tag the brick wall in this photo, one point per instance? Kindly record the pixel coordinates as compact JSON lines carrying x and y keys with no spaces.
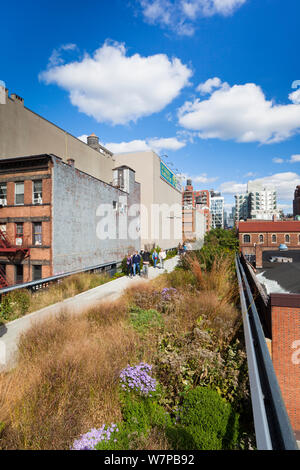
{"x":27,"y":214}
{"x":285,"y":314}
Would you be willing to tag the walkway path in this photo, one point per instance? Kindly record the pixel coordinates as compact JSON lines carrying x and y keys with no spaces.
{"x":10,"y":332}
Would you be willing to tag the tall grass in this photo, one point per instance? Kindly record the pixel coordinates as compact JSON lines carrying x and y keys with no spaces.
{"x":18,"y":303}
{"x":66,"y":380}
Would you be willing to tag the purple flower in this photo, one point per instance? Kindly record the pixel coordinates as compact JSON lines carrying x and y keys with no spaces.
{"x":137,"y":378}
{"x":89,"y":440}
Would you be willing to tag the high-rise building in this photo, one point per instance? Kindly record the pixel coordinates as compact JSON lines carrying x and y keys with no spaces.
{"x":195,"y":212}
{"x":258,"y":203}
{"x":216,"y":210}
{"x":296,"y":202}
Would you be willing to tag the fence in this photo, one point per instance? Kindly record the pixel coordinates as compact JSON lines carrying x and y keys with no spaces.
{"x":110,"y":268}
{"x":273,"y":430}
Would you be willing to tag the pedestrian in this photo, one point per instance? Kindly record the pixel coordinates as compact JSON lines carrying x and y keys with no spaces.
{"x":162,"y":257}
{"x":154,"y":257}
{"x":136,"y":263}
{"x":179,"y":249}
{"x":146,"y":259}
{"x":184,"y":248}
{"x":129,"y":265}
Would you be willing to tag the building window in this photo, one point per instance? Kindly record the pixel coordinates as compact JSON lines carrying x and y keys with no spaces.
{"x":115,"y":205}
{"x":19,"y":274}
{"x":3,"y":193}
{"x":37,"y":233}
{"x":19,"y":234}
{"x":298,"y":238}
{"x":19,"y":194}
{"x":287,"y":239}
{"x":38,"y":192}
{"x":36,"y":272}
{"x":261,"y":238}
{"x":247,"y":239}
{"x":274,"y":239}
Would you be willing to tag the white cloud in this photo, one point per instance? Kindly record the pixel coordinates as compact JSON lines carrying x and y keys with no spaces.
{"x":232,"y":187}
{"x":139,"y":145}
{"x":113,"y":87}
{"x":295,"y":159}
{"x":241,"y":113}
{"x":181,"y":15}
{"x":295,"y":97}
{"x":284,"y":183}
{"x":171,"y":143}
{"x":277,"y":160}
{"x":196,"y":179}
{"x":209,"y":85}
{"x":132,"y":146}
{"x":55,"y":58}
{"x":83,"y":138}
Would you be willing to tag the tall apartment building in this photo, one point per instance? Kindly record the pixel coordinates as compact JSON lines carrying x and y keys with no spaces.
{"x":296,"y":202}
{"x":258,"y":203}
{"x":196,"y":212}
{"x":217,"y":210}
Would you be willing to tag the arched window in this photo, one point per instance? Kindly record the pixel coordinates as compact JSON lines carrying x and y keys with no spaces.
{"x":246,"y":238}
{"x":274,"y":239}
{"x":287,"y":239}
{"x":261,"y":238}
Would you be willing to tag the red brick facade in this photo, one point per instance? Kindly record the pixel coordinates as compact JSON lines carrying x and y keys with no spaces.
{"x":27,"y":215}
{"x":258,"y":236}
{"x":285,"y":312}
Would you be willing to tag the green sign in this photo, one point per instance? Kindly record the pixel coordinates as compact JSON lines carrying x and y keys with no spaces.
{"x":169,"y":176}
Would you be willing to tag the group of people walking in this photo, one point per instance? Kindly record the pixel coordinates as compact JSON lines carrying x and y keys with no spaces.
{"x":133,"y":262}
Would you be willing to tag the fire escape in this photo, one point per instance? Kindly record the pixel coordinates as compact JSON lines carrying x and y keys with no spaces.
{"x":14,"y":253}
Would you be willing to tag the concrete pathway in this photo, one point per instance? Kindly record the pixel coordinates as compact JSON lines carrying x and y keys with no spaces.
{"x":10,"y":332}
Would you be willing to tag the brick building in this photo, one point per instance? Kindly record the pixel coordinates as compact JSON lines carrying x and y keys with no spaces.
{"x":55,"y":218}
{"x":195,"y":208}
{"x":258,"y":236}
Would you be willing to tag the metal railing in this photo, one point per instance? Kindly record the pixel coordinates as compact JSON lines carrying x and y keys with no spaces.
{"x":273,"y":430}
{"x":110,"y":268}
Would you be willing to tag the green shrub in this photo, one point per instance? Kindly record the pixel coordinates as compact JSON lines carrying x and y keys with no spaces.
{"x":140,"y":416}
{"x":209,"y":421}
{"x":143,"y":320}
{"x":14,"y":305}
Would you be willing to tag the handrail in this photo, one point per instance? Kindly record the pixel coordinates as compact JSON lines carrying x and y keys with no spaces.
{"x":36,"y":284}
{"x":273,"y":429}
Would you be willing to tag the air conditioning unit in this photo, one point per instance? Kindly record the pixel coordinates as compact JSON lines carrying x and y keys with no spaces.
{"x":3,"y":202}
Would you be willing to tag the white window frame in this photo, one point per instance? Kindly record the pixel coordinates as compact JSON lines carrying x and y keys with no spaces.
{"x":16,"y":184}
{"x":39,"y":199}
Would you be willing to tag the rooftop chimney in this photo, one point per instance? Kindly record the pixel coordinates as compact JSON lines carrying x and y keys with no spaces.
{"x":93,"y":142}
{"x":17,"y":98}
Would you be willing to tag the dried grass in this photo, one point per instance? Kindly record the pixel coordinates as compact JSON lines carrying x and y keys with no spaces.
{"x":66,"y":381}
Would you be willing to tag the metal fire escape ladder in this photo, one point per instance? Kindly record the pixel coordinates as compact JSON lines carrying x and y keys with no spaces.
{"x":14,"y":253}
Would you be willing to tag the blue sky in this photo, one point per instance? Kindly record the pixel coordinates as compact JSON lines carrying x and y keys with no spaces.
{"x":206,"y":82}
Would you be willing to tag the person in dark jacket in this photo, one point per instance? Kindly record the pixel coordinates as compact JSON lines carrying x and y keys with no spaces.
{"x":136,"y":260}
{"x":129,"y":265}
{"x":146,"y":260}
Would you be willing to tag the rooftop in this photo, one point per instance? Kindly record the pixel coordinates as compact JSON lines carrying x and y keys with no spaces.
{"x":269,"y":226}
{"x":280,"y":277}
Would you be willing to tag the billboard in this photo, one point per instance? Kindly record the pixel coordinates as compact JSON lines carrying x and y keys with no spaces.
{"x":169,"y":176}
